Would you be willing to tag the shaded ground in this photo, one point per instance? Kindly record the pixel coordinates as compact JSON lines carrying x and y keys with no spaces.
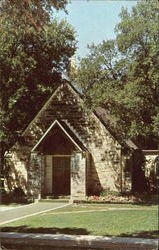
{"x":53,"y":230}
{"x":77,"y":231}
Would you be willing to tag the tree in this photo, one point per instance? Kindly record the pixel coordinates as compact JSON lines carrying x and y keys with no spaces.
{"x":31,"y":65}
{"x":36,"y":13}
{"x":121,"y":75}
{"x":141,"y":47}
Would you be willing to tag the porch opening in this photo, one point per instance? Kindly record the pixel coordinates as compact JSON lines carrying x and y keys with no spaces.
{"x":58,"y":147}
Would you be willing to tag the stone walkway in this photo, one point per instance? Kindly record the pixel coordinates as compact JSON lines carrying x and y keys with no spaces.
{"x":24,"y":211}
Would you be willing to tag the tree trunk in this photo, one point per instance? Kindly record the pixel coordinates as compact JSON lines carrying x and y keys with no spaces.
{"x":2,"y":164}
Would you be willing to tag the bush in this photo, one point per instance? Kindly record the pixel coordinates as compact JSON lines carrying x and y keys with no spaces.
{"x":107,"y":192}
{"x":15,"y":196}
{"x":18,"y":195}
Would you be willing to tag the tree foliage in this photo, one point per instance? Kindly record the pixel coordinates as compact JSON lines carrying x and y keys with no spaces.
{"x":121,"y":75}
{"x":36,"y":13}
{"x":31,"y":64}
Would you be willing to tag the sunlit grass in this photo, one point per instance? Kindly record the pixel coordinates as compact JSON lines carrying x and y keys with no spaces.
{"x":139,"y":221}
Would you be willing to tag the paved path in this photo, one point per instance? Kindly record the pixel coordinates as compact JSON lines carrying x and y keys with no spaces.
{"x":29,"y":210}
{"x":63,"y":241}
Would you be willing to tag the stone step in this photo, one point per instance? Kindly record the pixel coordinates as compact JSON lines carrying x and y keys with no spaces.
{"x":53,"y":200}
{"x":52,"y":196}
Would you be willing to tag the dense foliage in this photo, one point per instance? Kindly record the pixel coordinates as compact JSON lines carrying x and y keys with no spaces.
{"x":32,"y":61}
{"x":121,"y":75}
{"x":36,"y":13}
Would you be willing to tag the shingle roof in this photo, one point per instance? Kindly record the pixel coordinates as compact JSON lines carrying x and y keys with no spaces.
{"x":100,"y":113}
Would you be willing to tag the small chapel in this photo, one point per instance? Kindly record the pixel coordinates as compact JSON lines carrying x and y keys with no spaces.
{"x":69,"y":151}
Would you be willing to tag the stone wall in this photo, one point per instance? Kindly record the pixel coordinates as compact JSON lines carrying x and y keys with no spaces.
{"x":16,"y":170}
{"x":151,"y":171}
{"x":78,"y":176}
{"x":35,"y":175}
{"x":105,"y":169}
{"x":150,"y":161}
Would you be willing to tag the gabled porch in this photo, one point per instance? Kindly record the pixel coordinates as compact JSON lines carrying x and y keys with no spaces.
{"x":58,"y":164}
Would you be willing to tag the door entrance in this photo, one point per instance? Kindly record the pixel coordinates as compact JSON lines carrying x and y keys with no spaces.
{"x":57,"y":176}
{"x":61,"y":176}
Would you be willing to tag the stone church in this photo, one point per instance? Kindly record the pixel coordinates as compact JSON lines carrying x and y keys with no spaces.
{"x":69,"y":151}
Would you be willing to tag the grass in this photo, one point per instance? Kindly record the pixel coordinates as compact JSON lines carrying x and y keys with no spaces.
{"x":88,"y":207}
{"x":105,"y":220}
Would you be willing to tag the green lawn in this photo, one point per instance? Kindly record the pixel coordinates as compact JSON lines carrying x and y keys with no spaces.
{"x":88,"y":207}
{"x":106,"y":220}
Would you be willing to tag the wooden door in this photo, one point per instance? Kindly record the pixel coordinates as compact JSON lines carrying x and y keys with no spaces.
{"x":61,"y":175}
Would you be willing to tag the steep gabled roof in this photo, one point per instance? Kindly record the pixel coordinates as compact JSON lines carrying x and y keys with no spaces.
{"x":110,"y":124}
{"x":99,"y":112}
{"x":46,"y":105}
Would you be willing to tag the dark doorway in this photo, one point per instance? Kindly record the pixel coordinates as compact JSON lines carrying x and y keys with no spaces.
{"x":61,"y":175}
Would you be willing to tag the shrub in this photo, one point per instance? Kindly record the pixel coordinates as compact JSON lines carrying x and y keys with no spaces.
{"x":107,"y":192}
